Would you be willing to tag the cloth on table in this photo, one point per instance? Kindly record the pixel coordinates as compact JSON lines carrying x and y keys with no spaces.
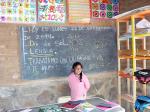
{"x":50,"y":108}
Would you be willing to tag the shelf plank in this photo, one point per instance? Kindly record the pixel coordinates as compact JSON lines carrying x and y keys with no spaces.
{"x":142,"y":57}
{"x":137,"y":36}
{"x":142,"y":35}
{"x":124,"y":39}
{"x":137,"y":57}
{"x":125,"y":57}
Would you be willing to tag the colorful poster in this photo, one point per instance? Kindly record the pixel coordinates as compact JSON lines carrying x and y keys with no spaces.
{"x":52,"y":11}
{"x":104,"y":9}
{"x":18,"y":11}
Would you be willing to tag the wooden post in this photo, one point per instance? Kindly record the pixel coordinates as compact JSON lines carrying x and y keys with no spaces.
{"x":134,"y":56}
{"x":144,"y":66}
{"x":119,"y":78}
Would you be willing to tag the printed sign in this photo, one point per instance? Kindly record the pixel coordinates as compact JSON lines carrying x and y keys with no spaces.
{"x":52,"y":11}
{"x":104,"y":9}
{"x":18,"y":11}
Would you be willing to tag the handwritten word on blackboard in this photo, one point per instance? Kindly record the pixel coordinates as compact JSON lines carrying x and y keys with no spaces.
{"x":50,"y":51}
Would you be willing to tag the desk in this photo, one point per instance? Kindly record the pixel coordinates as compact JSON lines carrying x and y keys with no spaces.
{"x":94,"y":101}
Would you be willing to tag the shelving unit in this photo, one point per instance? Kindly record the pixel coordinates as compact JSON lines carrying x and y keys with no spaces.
{"x":129,"y":17}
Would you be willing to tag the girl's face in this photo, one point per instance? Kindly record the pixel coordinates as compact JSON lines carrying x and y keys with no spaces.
{"x":78,"y":69}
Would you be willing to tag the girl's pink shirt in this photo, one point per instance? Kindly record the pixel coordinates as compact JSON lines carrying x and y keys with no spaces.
{"x":78,"y":89}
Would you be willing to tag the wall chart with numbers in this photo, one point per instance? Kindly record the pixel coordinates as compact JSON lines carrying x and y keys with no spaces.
{"x":104,"y":9}
{"x":52,"y":11}
{"x":18,"y":11}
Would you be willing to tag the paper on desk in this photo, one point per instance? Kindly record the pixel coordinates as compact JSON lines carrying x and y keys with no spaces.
{"x":26,"y":110}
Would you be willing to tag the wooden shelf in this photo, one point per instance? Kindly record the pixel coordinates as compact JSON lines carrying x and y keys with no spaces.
{"x":137,"y":57}
{"x":130,"y":17}
{"x":124,"y":39}
{"x":137,"y":36}
{"x":142,"y":57}
{"x":125,"y":57}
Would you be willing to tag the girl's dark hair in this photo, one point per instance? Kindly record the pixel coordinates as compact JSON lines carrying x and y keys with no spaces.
{"x":74,"y":66}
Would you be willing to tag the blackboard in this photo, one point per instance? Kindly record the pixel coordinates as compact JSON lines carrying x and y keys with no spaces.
{"x":50,"y":51}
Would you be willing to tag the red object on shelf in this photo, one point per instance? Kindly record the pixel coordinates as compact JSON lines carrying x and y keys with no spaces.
{"x":124,"y":75}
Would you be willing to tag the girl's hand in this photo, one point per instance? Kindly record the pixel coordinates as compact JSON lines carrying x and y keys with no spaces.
{"x":84,"y":96}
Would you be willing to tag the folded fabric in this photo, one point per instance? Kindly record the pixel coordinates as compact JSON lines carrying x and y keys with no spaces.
{"x":104,"y":106}
{"x":125,"y":36}
{"x":69,"y":106}
{"x":143,"y":76}
{"x":142,"y":52}
{"x":107,"y":106}
{"x":50,"y":108}
{"x":85,"y":107}
{"x":144,"y":23}
{"x":129,"y":70}
{"x":142,"y":31}
{"x":137,"y":31}
{"x":76,"y":102}
{"x":141,"y":103}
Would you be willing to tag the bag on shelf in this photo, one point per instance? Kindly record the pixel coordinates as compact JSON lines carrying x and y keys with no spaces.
{"x":143,"y":76}
{"x":141,"y":103}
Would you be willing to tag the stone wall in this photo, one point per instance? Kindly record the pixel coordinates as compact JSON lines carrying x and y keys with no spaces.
{"x":43,"y":92}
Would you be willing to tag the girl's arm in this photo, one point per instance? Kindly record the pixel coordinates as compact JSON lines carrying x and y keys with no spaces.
{"x":86,"y":83}
{"x":71,"y":82}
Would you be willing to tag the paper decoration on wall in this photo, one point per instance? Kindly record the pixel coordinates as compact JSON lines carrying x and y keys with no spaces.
{"x":79,"y":11}
{"x":104,"y":9}
{"x":18,"y":11}
{"x":52,"y":11}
